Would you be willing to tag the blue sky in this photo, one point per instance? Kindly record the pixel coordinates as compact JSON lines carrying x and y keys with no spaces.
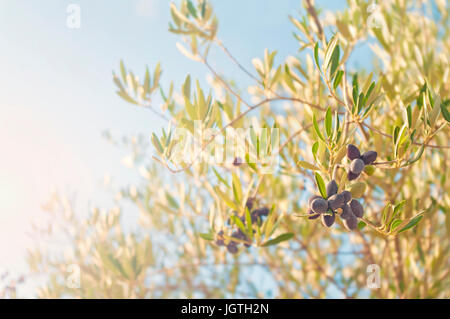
{"x":57,"y":96}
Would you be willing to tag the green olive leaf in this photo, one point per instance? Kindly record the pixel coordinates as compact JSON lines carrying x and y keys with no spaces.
{"x":316,"y":128}
{"x":278,"y":239}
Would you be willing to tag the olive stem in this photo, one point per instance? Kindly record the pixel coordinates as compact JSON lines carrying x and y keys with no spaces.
{"x":371,"y":225}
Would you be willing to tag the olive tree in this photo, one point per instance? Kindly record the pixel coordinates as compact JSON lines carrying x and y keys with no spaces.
{"x":316,"y":181}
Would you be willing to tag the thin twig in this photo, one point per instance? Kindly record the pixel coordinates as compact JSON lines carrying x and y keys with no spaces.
{"x":320,"y":268}
{"x":312,"y":11}
{"x":224,"y":83}
{"x":227,"y":52}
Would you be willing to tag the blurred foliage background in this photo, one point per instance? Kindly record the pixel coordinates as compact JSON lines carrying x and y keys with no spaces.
{"x":399,"y":109}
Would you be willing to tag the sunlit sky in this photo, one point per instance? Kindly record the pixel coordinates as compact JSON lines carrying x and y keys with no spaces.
{"x":57,"y":96}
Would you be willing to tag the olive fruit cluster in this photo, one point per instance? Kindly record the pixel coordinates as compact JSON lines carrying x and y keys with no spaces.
{"x":350,"y":214}
{"x":256,"y":218}
{"x":358,"y":161}
{"x":326,"y":208}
